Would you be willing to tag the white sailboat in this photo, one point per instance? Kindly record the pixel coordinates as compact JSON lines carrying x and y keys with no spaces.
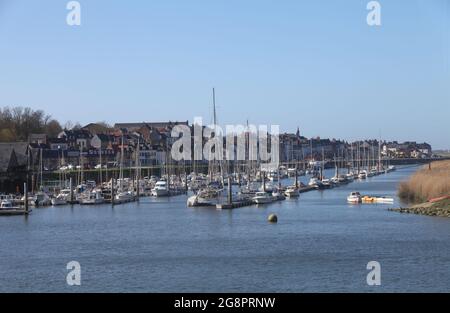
{"x":122,"y":195}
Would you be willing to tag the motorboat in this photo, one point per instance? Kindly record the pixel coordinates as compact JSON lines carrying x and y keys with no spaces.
{"x":39,"y":199}
{"x":362,"y":175}
{"x":199,"y":201}
{"x":277,"y":195}
{"x":262,"y":197}
{"x":161,"y":189}
{"x":391,"y":168}
{"x":124,"y":196}
{"x":92,"y":198}
{"x":340,"y":179}
{"x":7,"y":205}
{"x":384,"y":200}
{"x":350,"y":177}
{"x":354,"y":197}
{"x":62,"y":198}
{"x":316,"y":183}
{"x":7,"y":208}
{"x":370,"y":173}
{"x":327,"y":183}
{"x":59,"y":200}
{"x":292,"y":192}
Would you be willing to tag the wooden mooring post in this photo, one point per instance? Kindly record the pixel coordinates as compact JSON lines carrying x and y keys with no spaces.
{"x":230,"y":191}
{"x":25,"y":192}
{"x":71,"y":190}
{"x":113,"y":182}
{"x":138,"y":190}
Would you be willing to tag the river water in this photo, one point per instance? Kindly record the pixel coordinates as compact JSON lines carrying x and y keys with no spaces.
{"x":320,"y":244}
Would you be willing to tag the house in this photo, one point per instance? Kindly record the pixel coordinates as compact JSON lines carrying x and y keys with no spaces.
{"x":408,"y":149}
{"x":96,"y":128}
{"x":76,"y":138}
{"x":37,"y":139}
{"x":102,"y":140}
{"x":151,"y":135}
{"x":132,"y":127}
{"x":425,"y":149}
{"x":58,"y":144}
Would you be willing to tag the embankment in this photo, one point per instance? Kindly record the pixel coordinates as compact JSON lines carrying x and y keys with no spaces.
{"x":428,"y":191}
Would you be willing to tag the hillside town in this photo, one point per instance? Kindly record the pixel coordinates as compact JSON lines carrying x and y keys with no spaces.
{"x":96,"y":145}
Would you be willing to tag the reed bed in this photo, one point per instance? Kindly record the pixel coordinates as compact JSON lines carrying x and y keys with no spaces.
{"x":427,"y":183}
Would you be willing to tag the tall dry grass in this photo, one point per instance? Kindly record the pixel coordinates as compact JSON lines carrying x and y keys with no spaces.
{"x":427,"y":184}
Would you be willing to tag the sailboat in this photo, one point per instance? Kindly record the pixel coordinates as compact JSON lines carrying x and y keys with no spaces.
{"x":122,"y":195}
{"x":215,"y":184}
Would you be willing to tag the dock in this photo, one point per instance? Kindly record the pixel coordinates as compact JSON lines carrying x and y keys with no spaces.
{"x":14,"y":212}
{"x":306,"y":189}
{"x":234,"y":205}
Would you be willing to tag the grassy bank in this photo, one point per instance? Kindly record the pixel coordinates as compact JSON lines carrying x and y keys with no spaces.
{"x":427,"y":183}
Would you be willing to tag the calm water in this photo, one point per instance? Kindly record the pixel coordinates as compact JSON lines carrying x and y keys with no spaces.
{"x":320,"y":244}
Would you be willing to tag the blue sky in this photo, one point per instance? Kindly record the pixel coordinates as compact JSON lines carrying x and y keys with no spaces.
{"x":313,"y":64}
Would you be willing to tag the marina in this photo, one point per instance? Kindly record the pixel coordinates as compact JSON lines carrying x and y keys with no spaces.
{"x":205,"y":191}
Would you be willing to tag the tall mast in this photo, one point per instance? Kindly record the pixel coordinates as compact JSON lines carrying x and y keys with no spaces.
{"x":214,"y":107}
{"x":322,"y":169}
{"x":121,"y":165}
{"x":215,"y":133}
{"x":41,"y":167}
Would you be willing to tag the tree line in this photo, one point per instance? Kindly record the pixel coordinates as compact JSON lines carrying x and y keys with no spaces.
{"x":17,"y":123}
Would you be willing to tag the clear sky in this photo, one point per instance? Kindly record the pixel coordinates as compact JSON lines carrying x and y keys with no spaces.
{"x":313,"y":64}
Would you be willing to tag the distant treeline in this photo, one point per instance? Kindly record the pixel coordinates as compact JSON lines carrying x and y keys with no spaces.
{"x":17,"y":123}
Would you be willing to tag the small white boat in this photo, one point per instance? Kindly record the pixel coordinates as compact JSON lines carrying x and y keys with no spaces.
{"x":124,"y":196}
{"x":198,"y":201}
{"x":327,"y":183}
{"x":391,"y":168}
{"x":292,"y":192}
{"x":92,"y":198}
{"x":39,"y":199}
{"x":61,"y":198}
{"x":316,"y":183}
{"x":354,"y":197}
{"x":7,"y":208}
{"x":263,"y":198}
{"x":278,"y":195}
{"x":384,"y":200}
{"x":161,"y":189}
{"x":362,"y":175}
{"x":7,"y":205}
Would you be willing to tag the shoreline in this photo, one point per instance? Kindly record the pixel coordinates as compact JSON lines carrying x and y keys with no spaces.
{"x":438,"y":209}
